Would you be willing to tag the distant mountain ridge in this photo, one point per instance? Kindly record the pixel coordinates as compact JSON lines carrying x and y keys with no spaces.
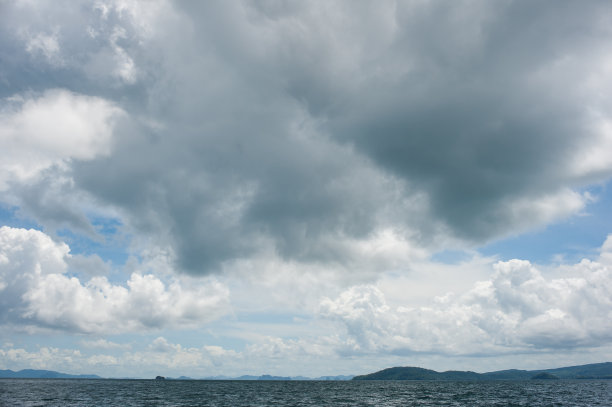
{"x":43,"y":374}
{"x":51,"y":374}
{"x":590,"y":371}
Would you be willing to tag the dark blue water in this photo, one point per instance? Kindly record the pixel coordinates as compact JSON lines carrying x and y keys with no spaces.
{"x":78,"y":392}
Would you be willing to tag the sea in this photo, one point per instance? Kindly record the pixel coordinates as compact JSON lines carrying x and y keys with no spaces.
{"x":110,"y":392}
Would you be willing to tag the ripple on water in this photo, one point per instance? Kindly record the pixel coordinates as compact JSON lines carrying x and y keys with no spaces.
{"x":84,"y":393}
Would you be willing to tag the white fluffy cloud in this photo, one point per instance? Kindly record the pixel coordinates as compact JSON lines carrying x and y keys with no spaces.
{"x":38,"y":131}
{"x":518,"y":310}
{"x":37,"y":292}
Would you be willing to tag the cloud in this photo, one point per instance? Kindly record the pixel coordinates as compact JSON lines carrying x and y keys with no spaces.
{"x":104,"y":344}
{"x":47,"y":46}
{"x":38,"y":294}
{"x":300,"y":132}
{"x":43,"y":358}
{"x":148,"y":362}
{"x":161,"y":356}
{"x":483,"y":120}
{"x":518,"y":310}
{"x":39,"y":131}
{"x":88,"y":265}
{"x":302,"y":151}
{"x":124,"y":65}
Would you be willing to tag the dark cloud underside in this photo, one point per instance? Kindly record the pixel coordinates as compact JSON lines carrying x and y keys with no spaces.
{"x":253,"y":127}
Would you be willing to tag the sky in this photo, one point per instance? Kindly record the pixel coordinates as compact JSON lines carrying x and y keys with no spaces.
{"x":304,"y":188}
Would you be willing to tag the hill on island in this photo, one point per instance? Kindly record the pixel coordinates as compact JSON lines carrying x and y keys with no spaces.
{"x":591,"y":371}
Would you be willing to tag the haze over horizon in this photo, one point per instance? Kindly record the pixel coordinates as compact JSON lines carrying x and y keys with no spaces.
{"x":304,"y":188}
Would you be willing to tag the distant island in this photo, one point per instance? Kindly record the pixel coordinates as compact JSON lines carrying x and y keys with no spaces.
{"x":50,"y":374}
{"x":591,"y":371}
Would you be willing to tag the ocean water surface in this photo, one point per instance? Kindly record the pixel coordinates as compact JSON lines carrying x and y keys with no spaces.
{"x":80,"y":392}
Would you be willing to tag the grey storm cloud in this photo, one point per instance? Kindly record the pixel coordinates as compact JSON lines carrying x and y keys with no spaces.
{"x":283,"y":126}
